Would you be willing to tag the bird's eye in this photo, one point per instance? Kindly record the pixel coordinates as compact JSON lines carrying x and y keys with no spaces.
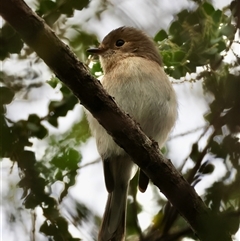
{"x":120,"y":42}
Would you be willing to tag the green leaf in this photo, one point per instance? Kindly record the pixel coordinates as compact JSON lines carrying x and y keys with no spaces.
{"x":62,"y":223}
{"x":53,"y":82}
{"x":160,"y":36}
{"x":2,"y":109}
{"x":80,"y":131}
{"x":53,"y":120}
{"x":27,"y":159}
{"x":208,"y":117}
{"x":207,"y":169}
{"x":67,"y":9}
{"x":15,"y":45}
{"x":210,"y":51}
{"x":221,"y":46}
{"x":79,"y":5}
{"x":10,"y":41}
{"x":68,"y":160}
{"x":216,"y":16}
{"x":59,"y":162}
{"x":217,"y":149}
{"x":31,"y":201}
{"x":178,"y":71}
{"x":179,"y":56}
{"x":193,"y":18}
{"x":73,"y":159}
{"x":167,"y":58}
{"x":46,"y":6}
{"x":33,"y":119}
{"x":194,"y":153}
{"x":216,"y":61}
{"x":58,"y":175}
{"x":61,"y":108}
{"x":208,"y":8}
{"x":175,"y":28}
{"x":65,"y":90}
{"x":34,"y":125}
{"x":228,"y":30}
{"x":232,"y":222}
{"x":96,"y":68}
{"x":183,"y":15}
{"x":6,"y":95}
{"x":7,"y":136}
{"x":47,"y":228}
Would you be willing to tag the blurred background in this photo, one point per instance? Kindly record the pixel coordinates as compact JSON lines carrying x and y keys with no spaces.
{"x":52,"y":185}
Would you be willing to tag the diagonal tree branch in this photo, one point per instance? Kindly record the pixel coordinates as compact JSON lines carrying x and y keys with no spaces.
{"x":120,"y":126}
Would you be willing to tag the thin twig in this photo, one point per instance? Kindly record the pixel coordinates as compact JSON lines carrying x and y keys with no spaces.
{"x":187,"y":132}
{"x":33,"y":216}
{"x":91,"y":163}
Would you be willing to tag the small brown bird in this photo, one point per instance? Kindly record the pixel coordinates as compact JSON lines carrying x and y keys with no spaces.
{"x":134,"y":76}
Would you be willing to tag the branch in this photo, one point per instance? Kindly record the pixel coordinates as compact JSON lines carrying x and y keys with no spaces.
{"x":155,"y":236}
{"x":144,"y":152}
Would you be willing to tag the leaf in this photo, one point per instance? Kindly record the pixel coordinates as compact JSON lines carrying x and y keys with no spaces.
{"x":31,"y":201}
{"x":61,"y":108}
{"x":216,"y":16}
{"x":35,"y":127}
{"x":208,"y":117}
{"x":158,"y":220}
{"x":96,"y":68}
{"x":211,"y":51}
{"x":79,"y":5}
{"x":207,"y":169}
{"x":208,"y":8}
{"x":216,"y":61}
{"x":58,"y":175}
{"x":6,"y":135}
{"x":160,"y":36}
{"x":53,"y":82}
{"x":193,"y":18}
{"x":10,"y":41}
{"x":68,"y":160}
{"x":228,"y":30}
{"x":27,"y":159}
{"x":6,"y":95}
{"x":80,"y":131}
{"x":62,"y":223}
{"x":175,"y":28}
{"x":183,"y":15}
{"x":179,"y":56}
{"x":53,"y":120}
{"x":178,"y":71}
{"x":194,"y":153}
{"x":232,"y":221}
{"x":221,"y":46}
{"x":73,"y":159}
{"x":47,"y":228}
{"x":46,"y":6}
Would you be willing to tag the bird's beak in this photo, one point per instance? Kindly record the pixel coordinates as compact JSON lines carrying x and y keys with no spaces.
{"x":97,"y":51}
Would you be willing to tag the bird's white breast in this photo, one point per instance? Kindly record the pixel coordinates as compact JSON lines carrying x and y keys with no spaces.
{"x":144,"y":92}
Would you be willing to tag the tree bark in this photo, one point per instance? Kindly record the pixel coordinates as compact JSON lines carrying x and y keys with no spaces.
{"x":120,"y":126}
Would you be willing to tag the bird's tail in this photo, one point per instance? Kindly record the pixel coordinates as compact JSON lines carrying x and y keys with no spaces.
{"x":113,"y":224}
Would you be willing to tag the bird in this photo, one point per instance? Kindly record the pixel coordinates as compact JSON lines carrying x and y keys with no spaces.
{"x":134,"y":76}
